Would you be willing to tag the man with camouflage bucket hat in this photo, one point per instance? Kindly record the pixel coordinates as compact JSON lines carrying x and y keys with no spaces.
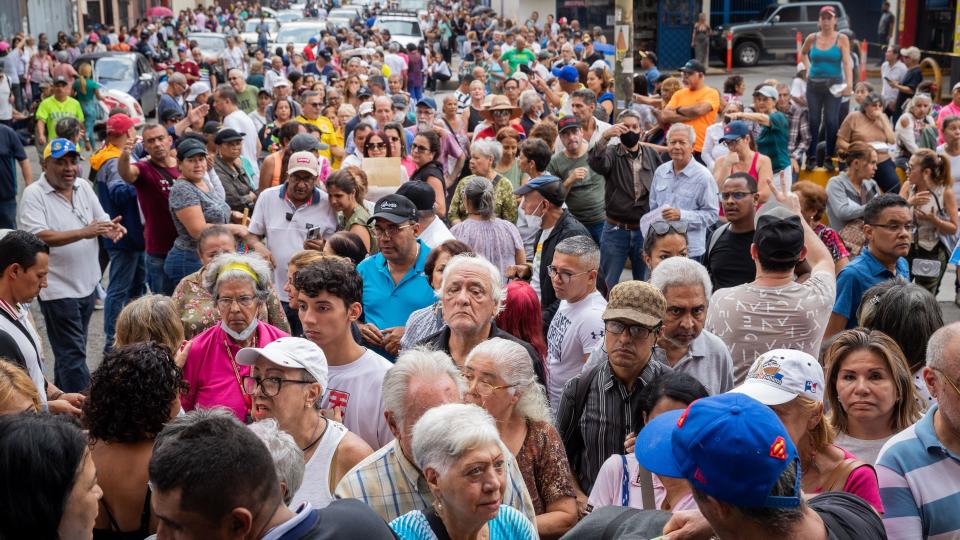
{"x":600,"y":406}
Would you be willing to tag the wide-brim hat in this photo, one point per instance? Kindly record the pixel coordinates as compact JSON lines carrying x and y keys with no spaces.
{"x":500,"y":103}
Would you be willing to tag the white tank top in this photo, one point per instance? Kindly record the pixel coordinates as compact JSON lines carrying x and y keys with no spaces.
{"x":315,"y":488}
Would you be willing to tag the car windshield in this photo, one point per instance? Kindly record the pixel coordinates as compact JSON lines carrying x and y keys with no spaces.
{"x":210,"y":45}
{"x":343,"y":13}
{"x":768,"y":11}
{"x":253,"y":24}
{"x":400,"y":28}
{"x":288,"y":16}
{"x":113,"y":69}
{"x":296,"y":35}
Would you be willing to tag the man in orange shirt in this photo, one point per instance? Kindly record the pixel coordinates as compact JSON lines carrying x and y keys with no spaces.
{"x":695,"y":105}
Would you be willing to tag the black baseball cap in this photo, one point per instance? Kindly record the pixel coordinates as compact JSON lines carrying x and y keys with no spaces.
{"x":550,"y":187}
{"x":170,"y":114}
{"x":779,"y":234}
{"x":211,"y":127}
{"x":228,"y":135}
{"x":420,"y":194}
{"x":567,"y":122}
{"x":693,"y":65}
{"x":395,"y":209}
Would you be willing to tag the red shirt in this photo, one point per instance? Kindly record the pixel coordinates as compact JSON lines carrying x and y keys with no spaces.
{"x":308,"y":53}
{"x":190,"y":70}
{"x":489,"y":133}
{"x":153,"y":193}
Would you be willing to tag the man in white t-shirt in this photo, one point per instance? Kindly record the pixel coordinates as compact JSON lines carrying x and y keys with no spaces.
{"x":225,"y":102}
{"x":433,"y":231}
{"x":578,"y":325}
{"x":328,"y":294}
{"x":394,"y":61}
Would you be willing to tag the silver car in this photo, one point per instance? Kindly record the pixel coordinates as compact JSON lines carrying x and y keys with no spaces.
{"x":249,"y":34}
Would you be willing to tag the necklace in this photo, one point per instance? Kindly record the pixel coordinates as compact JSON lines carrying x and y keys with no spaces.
{"x":315,"y":441}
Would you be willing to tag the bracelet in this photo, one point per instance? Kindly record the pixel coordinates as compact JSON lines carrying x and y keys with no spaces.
{"x":56,"y":396}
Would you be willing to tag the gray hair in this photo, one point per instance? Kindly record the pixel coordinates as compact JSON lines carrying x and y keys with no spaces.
{"x":681,"y":272}
{"x":477,"y":262}
{"x":581,"y":247}
{"x":629,"y":113}
{"x":443,"y":434}
{"x":914,"y":101}
{"x":528,"y":98}
{"x":515,"y":368}
{"x":175,"y":428}
{"x":587,"y":95}
{"x":214,"y":275}
{"x":287,"y":456}
{"x":937,"y":347}
{"x":478,"y":191}
{"x":488,"y":147}
{"x":683,"y":127}
{"x":415,"y":363}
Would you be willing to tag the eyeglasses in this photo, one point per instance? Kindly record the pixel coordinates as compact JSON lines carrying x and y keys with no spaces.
{"x":949,"y":381}
{"x":242,"y":301}
{"x":663,"y":227}
{"x":736,"y":195}
{"x":502,"y":112}
{"x":270,"y":386}
{"x":564,"y":277}
{"x":375,"y":145}
{"x":418,"y":148}
{"x":636,"y":331}
{"x":895,"y":227}
{"x":388,"y":233}
{"x":315,"y":104}
{"x":482,"y":388}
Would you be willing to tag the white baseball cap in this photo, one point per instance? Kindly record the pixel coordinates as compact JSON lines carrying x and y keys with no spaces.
{"x":780,"y":375}
{"x":303,"y":161}
{"x":196,"y":89}
{"x":290,"y":352}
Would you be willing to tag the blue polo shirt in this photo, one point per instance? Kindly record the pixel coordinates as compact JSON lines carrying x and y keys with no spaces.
{"x":862,"y":273}
{"x":387,"y":305}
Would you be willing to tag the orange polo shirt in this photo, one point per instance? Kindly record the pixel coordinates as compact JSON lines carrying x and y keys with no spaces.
{"x":686,"y":97}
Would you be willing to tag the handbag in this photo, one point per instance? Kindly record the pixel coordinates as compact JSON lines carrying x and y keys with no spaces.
{"x":852,"y":236}
{"x":820,"y":85}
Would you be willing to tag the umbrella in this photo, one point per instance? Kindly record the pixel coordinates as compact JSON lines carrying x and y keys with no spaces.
{"x":159,"y":11}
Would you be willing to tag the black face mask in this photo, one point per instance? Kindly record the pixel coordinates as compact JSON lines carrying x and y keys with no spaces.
{"x":630,"y":139}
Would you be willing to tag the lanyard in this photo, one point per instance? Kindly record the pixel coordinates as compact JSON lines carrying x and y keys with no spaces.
{"x":247,"y":400}
{"x":624,"y":483}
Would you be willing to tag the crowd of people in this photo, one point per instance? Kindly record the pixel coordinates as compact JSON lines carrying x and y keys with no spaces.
{"x":342,"y":302}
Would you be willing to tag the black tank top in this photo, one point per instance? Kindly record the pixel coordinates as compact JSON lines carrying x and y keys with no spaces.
{"x":114,"y":532}
{"x":475,"y":118}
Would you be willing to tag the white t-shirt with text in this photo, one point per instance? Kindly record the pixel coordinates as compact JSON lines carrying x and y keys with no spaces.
{"x":574,"y":332}
{"x":357,"y":388}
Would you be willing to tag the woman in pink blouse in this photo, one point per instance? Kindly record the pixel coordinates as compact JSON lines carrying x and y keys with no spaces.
{"x":240,"y":285}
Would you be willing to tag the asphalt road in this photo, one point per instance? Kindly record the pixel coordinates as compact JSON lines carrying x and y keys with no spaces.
{"x":752,"y":76}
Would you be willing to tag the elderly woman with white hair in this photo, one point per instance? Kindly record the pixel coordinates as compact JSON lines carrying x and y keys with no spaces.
{"x":531,"y":109}
{"x":471,"y":296}
{"x":484,"y":155}
{"x":463,"y":461}
{"x":287,"y":456}
{"x":915,"y":129}
{"x":239,"y":285}
{"x":500,"y":379}
{"x":496,"y":239}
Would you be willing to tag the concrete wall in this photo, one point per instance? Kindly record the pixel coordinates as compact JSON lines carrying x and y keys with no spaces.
{"x":520,"y":10}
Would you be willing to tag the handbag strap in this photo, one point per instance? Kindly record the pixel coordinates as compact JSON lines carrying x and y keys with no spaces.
{"x":645,"y":478}
{"x":436,"y":524}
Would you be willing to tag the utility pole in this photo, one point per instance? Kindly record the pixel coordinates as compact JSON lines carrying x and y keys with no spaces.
{"x":623,"y":42}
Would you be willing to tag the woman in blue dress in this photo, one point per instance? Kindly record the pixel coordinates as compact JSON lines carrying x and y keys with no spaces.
{"x":87,"y":92}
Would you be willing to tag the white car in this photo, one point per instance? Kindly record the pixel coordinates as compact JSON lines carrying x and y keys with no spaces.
{"x":404,"y":28}
{"x":119,"y":99}
{"x":298,"y":33}
{"x":249,"y":34}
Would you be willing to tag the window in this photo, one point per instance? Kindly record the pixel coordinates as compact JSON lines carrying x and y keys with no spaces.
{"x":791,"y":14}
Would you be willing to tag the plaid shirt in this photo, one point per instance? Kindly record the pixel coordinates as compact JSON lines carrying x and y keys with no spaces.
{"x":610,"y":411}
{"x":393,"y":486}
{"x":799,"y":131}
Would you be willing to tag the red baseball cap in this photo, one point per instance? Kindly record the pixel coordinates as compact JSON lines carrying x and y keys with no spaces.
{"x":120,"y":123}
{"x":828,"y":9}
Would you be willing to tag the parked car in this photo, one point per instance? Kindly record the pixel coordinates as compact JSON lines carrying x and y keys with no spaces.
{"x":775,"y":32}
{"x":404,"y":27}
{"x":212,"y":44}
{"x":342,"y":17}
{"x":298,"y":33}
{"x":127,"y":72}
{"x":288,"y":15}
{"x":249,"y":34}
{"x":113,"y":99}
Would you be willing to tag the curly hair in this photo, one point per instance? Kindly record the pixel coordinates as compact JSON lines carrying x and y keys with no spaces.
{"x":131,"y":393}
{"x":333,"y":275}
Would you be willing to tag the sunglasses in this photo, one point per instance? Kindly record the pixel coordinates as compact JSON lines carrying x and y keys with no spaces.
{"x":663,"y":227}
{"x":375,"y":145}
{"x":730,"y":142}
{"x":418,"y":148}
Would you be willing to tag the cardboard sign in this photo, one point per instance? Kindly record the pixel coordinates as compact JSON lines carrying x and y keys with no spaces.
{"x":383,"y":172}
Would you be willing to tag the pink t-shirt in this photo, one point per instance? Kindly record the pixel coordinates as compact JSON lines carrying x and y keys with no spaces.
{"x":862,"y":482}
{"x":608,"y":488}
{"x":946,"y":112}
{"x":210,"y":374}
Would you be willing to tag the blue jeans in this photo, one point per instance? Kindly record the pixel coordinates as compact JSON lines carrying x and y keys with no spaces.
{"x":886,"y":176}
{"x":127,"y":282}
{"x":156,"y":277}
{"x":616,"y":245}
{"x":826,"y":104}
{"x":8,"y":214}
{"x":416,"y":92}
{"x":67,"y":320}
{"x":179,"y":264}
{"x":596,"y":230}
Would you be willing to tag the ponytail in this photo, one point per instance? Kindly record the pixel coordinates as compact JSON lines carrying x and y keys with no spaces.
{"x":938,"y":165}
{"x":858,"y":150}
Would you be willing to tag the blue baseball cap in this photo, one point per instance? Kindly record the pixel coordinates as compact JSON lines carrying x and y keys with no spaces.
{"x":58,"y":148}
{"x":736,"y":129}
{"x":427,"y":102}
{"x":566,"y":73}
{"x":730,"y":446}
{"x":549,"y":186}
{"x":312,"y":40}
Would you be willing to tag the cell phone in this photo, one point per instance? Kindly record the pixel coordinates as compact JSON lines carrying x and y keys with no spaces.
{"x":525,"y":69}
{"x":315,"y":233}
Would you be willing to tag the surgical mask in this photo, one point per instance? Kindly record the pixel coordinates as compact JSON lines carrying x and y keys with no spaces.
{"x":533,"y":219}
{"x":630,"y":139}
{"x":244,"y":334}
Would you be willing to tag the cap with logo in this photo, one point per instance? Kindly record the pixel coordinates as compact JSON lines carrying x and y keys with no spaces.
{"x":60,"y":79}
{"x":189,"y":147}
{"x":290,"y":352}
{"x":767,"y":91}
{"x":828,"y":9}
{"x":780,"y":375}
{"x":637,"y":302}
{"x":303,"y":161}
{"x":58,"y":148}
{"x":420,"y":194}
{"x":566,"y":73}
{"x":120,"y":123}
{"x":736,"y":129}
{"x":730,"y":446}
{"x":779,"y":234}
{"x":395,"y":209}
{"x":548,"y":186}
{"x":693,"y":66}
{"x":567,"y":122}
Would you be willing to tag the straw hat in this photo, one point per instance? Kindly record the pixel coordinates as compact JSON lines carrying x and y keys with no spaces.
{"x":500,"y":103}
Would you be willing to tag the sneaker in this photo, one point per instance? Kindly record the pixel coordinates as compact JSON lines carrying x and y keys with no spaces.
{"x":98,"y":305}
{"x":830,"y":166}
{"x":809,"y":165}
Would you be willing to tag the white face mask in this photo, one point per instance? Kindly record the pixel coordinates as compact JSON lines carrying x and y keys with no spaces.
{"x":242,"y":335}
{"x":533,"y":219}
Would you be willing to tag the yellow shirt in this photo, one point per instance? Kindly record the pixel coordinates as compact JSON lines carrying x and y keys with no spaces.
{"x":340,"y":143}
{"x":327,"y":133}
{"x":686,"y":98}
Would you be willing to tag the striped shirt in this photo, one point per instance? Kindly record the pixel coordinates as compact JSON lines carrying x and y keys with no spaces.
{"x":609,"y":413}
{"x":509,"y":524}
{"x":393,"y":486}
{"x":919,"y":484}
